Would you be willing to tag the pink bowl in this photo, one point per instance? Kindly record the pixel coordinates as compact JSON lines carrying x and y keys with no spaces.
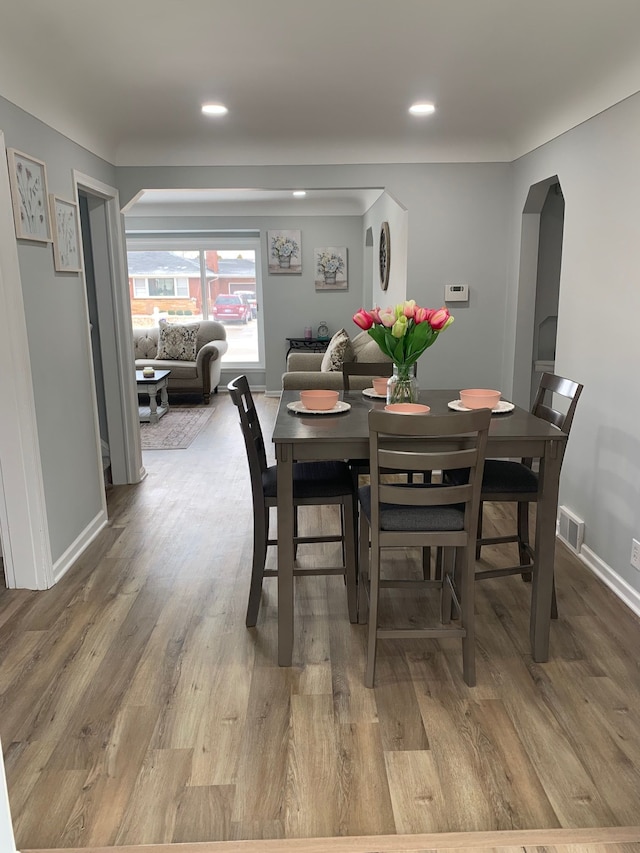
{"x":319,"y":401}
{"x":380,"y":385}
{"x":407,"y":408}
{"x":479,"y":398}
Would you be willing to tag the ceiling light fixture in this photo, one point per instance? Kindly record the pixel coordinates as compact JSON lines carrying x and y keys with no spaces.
{"x":299,"y":193}
{"x":421,"y":109}
{"x":214,"y":109}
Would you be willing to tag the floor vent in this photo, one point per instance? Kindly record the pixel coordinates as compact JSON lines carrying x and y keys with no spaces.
{"x":570,"y":529}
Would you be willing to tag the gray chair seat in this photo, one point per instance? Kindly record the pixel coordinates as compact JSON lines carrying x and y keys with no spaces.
{"x":312,"y":480}
{"x":402,"y":517}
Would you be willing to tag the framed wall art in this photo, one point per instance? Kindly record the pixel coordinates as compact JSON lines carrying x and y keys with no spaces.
{"x":28,"y":181}
{"x":66,"y":234}
{"x":331,"y":268}
{"x":285,"y":252}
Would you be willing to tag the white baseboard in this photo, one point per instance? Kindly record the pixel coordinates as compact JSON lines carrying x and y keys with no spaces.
{"x":79,"y":545}
{"x":619,"y":586}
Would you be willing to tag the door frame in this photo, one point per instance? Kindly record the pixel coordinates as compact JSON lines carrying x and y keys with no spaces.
{"x":116,"y":335}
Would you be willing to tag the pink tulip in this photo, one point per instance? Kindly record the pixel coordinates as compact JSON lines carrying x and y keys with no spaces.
{"x":440,"y":318}
{"x":421,"y":315}
{"x":363,"y":319}
{"x":387,"y":317}
{"x":375,"y":313}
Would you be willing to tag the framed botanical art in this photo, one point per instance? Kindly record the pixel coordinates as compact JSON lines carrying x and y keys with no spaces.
{"x":66,"y":234}
{"x":285,"y":253}
{"x":28,"y":181}
{"x":331,"y":268}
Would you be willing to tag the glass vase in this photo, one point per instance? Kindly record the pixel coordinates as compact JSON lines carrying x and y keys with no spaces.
{"x":402,"y":386}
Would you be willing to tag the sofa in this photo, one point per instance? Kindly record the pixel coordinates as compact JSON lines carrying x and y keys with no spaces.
{"x":304,"y":368}
{"x":206,"y":342}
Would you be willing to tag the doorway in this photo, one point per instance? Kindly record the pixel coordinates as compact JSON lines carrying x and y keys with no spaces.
{"x":538,"y":287}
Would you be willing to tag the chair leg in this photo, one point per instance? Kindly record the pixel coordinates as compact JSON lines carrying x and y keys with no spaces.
{"x":446,"y":599}
{"x":466,"y":566}
{"x":374,"y":593}
{"x":260,"y":535}
{"x":350,"y":561}
{"x":363,"y":571}
{"x":523,"y":538}
{"x":426,"y":563}
{"x":479,"y":532}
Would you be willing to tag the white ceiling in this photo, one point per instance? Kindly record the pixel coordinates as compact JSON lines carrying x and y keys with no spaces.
{"x":316,"y":82}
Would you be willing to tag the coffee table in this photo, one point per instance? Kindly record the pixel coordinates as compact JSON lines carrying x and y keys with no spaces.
{"x":153,"y":385}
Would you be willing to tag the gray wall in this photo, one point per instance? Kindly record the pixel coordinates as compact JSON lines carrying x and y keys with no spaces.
{"x":599,"y":171}
{"x":55,"y":312}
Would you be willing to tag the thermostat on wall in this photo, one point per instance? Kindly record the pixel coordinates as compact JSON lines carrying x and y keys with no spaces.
{"x":456,"y":293}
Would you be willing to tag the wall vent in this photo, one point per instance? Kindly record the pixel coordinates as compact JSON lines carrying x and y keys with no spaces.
{"x":570,"y":529}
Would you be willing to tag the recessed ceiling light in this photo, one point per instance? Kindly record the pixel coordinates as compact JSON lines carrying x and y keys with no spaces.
{"x":421,"y":109}
{"x":299,"y":193}
{"x":214,"y":109}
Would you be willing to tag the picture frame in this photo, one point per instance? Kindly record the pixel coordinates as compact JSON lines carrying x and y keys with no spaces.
{"x":285,"y":252}
{"x":28,"y":182}
{"x":67,"y":251}
{"x":331,"y":268}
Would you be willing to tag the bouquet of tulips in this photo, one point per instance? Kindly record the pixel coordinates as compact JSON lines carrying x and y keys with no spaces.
{"x":405,"y":331}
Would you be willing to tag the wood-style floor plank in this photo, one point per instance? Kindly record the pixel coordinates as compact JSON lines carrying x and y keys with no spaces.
{"x":136,"y":708}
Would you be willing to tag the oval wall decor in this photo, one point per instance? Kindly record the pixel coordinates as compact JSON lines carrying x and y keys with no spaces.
{"x":385,"y":255}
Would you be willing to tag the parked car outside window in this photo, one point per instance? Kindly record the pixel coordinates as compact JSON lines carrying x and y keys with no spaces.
{"x":231,"y":308}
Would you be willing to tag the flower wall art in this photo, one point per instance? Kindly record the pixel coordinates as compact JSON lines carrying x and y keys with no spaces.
{"x":285,"y":252}
{"x":331,"y":268}
{"x":66,"y":234}
{"x":28,"y":180}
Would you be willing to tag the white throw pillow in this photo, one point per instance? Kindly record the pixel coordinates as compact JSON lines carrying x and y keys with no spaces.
{"x":177,"y":343}
{"x":338,"y":351}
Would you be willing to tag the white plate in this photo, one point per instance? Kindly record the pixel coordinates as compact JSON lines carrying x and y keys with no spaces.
{"x":371,"y":392}
{"x":502,"y":407}
{"x":299,"y":409}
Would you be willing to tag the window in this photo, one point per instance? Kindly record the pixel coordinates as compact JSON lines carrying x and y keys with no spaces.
{"x":178,"y":279}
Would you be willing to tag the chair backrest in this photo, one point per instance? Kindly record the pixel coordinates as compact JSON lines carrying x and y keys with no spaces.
{"x":252,"y":432}
{"x":551,"y":384}
{"x":543,"y":404}
{"x":412,"y":443}
{"x":368,"y":368}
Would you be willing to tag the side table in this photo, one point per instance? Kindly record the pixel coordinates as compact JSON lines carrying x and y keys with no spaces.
{"x":310,"y":344}
{"x":153,"y":385}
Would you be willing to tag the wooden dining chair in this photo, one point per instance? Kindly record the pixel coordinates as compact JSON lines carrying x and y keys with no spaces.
{"x":314,"y":484}
{"x":364,"y":368}
{"x":368,"y":368}
{"x":444,"y":516}
{"x":517,"y":482}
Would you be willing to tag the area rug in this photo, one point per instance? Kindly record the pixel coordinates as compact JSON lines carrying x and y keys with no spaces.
{"x":175,"y":430}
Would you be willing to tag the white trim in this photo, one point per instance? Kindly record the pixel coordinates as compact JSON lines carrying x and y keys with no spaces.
{"x":123,"y":415}
{"x":23,"y":519}
{"x":79,"y":545}
{"x":7,"y":841}
{"x":624,"y":591}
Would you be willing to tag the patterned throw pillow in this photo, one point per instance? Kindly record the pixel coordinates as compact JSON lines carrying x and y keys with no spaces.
{"x":339,"y":350}
{"x":177,"y":343}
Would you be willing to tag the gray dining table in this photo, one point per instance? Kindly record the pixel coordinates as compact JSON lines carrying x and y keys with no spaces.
{"x":302,"y":437}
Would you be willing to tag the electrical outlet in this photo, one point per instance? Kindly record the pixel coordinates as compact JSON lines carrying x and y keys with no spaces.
{"x":635,"y":554}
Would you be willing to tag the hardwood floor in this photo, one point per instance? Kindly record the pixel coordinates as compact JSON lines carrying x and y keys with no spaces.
{"x":136,"y":708}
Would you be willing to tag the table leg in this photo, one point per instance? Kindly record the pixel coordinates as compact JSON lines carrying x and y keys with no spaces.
{"x":153,"y":404}
{"x":542,"y":585}
{"x":284,"y":459}
{"x":164,"y":395}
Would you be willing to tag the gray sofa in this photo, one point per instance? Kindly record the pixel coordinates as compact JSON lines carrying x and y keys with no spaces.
{"x":201,"y":376}
{"x":303,"y":368}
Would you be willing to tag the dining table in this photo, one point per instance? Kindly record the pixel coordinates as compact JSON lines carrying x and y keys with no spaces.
{"x":302,"y":437}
